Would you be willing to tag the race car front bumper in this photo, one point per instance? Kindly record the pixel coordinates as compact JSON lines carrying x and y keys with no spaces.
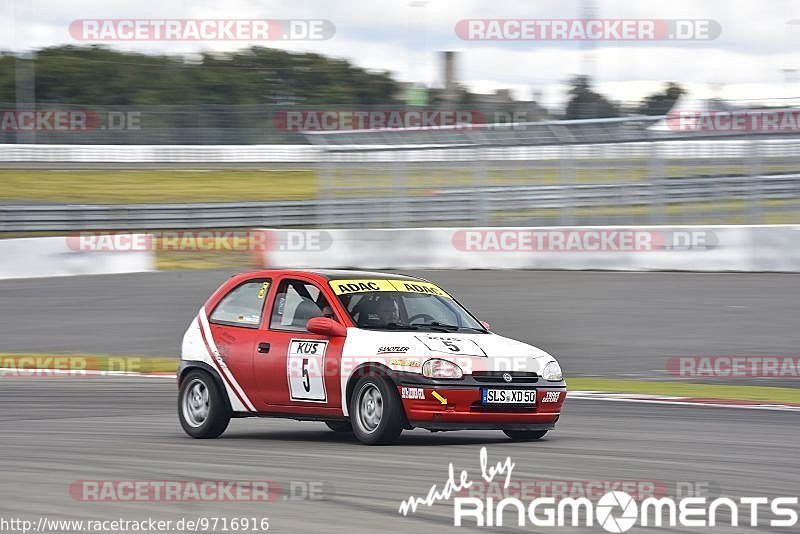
{"x":453,"y":407}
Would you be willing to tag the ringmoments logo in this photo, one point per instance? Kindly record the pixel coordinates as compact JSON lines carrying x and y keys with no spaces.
{"x":615,"y":511}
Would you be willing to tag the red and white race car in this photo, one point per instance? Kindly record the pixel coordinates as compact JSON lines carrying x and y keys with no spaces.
{"x":369,"y":353}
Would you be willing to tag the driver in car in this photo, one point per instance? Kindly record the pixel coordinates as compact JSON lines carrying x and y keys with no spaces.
{"x":387,"y":310}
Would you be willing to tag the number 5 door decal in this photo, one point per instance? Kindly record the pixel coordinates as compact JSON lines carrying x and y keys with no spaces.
{"x":306,"y":377}
{"x":305,"y":365}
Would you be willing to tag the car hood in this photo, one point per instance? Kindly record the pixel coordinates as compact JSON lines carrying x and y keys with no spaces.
{"x":482,"y":351}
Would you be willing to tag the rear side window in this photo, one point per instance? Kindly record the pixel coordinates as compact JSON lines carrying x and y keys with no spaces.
{"x":243,"y":306}
{"x":297,"y":302}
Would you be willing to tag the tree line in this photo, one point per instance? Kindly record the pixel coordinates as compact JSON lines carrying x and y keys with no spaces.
{"x":99,"y":76}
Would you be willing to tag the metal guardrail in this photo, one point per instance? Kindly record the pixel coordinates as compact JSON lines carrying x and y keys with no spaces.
{"x":114,"y":156}
{"x":479,"y":205}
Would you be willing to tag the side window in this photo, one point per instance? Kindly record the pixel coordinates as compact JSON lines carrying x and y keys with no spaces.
{"x":243,"y":306}
{"x":296,"y":303}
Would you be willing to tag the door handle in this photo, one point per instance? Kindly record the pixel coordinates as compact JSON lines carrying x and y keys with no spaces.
{"x":263,"y":348}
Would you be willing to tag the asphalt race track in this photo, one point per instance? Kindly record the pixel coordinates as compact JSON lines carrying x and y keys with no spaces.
{"x":595,"y":323}
{"x":57,"y":431}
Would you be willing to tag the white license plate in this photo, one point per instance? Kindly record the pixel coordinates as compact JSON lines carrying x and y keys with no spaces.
{"x":509,"y":396}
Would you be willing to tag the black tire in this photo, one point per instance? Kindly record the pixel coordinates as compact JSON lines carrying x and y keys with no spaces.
{"x":218,"y":415}
{"x":385,"y":428}
{"x":340,"y":426}
{"x":525,"y":435}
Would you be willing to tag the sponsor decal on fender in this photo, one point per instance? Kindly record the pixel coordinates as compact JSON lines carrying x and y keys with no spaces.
{"x":551,"y":396}
{"x":404,"y":363}
{"x":385,"y":350}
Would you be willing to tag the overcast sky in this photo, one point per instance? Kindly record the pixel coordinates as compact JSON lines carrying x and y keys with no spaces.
{"x":747,"y":61}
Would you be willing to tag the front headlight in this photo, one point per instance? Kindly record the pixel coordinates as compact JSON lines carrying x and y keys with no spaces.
{"x":552,"y":372}
{"x":436,"y":368}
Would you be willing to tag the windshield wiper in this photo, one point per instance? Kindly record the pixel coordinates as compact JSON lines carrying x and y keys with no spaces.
{"x":392,"y":326}
{"x":473,"y":329}
{"x":441,"y":327}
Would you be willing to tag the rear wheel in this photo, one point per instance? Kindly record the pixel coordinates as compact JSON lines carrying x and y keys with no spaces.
{"x":201,"y":408}
{"x":525,"y":435}
{"x":376,"y":411}
{"x":340,"y":426}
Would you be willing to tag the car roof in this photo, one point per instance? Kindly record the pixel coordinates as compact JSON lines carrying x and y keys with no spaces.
{"x":342,"y":274}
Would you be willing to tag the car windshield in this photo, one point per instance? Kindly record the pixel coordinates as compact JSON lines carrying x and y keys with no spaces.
{"x":403,"y":305}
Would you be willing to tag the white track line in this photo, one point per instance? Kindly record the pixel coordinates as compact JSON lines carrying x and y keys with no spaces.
{"x":75,"y":373}
{"x":675,"y":401}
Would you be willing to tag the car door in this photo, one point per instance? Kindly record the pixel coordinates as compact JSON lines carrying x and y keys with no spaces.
{"x":300,"y":373}
{"x":235,"y":324}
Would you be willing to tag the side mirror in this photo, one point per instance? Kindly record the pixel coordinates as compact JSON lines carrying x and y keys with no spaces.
{"x":486,"y":325}
{"x":325,"y":327}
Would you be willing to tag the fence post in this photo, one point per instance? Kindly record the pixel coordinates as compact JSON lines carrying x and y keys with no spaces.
{"x":568,"y":178}
{"x":481,"y":217}
{"x":324,"y":183}
{"x":755,"y":168}
{"x":400,"y":192}
{"x":655,"y":167}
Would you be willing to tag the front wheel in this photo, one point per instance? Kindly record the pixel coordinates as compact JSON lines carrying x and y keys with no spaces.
{"x":525,"y":435}
{"x":201,"y":409}
{"x":376,"y":411}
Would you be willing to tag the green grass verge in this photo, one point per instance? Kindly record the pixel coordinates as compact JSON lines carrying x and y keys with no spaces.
{"x":87,"y":362}
{"x":150,"y":186}
{"x":686,"y":389}
{"x":104,"y":186}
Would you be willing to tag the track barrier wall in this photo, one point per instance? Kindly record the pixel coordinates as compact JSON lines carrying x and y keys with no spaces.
{"x":52,"y":256}
{"x":773,"y":248}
